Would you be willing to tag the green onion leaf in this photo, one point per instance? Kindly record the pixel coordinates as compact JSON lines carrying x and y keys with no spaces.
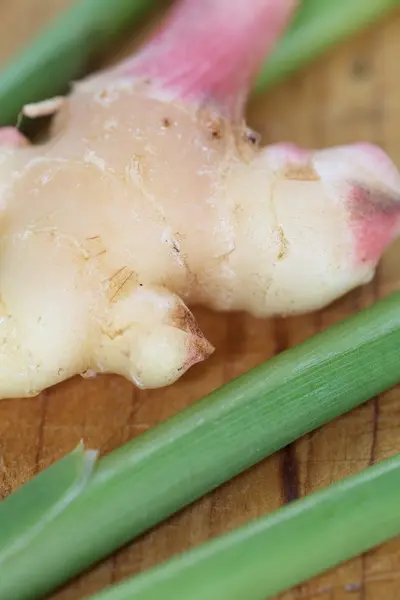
{"x":318,"y":26}
{"x":33,"y":506}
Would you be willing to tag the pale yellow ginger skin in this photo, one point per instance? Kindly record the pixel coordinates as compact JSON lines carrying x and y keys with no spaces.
{"x":106,"y":234}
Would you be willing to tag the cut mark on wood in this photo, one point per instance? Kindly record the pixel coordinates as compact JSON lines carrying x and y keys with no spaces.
{"x":290,"y":477}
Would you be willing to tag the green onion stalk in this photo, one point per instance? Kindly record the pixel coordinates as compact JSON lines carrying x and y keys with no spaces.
{"x":274,"y":553}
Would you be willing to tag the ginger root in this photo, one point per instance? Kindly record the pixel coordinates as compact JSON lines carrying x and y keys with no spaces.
{"x":151,"y":194}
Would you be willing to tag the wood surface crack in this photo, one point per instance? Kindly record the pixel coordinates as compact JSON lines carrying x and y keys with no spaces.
{"x":289,"y":465}
{"x":38,"y":458}
{"x":290,"y":474}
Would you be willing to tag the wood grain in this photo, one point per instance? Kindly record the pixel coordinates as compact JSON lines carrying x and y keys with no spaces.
{"x":352,"y":94}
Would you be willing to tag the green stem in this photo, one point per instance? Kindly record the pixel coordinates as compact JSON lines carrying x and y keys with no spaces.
{"x":228,"y":431}
{"x":283,"y":549}
{"x":318,"y":26}
{"x":32,"y":507}
{"x":61,"y":52}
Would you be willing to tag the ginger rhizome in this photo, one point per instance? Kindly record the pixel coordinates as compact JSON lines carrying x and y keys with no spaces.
{"x":151,"y":195}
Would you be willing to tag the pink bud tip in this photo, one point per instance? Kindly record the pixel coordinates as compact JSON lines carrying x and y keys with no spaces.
{"x":374,"y":202}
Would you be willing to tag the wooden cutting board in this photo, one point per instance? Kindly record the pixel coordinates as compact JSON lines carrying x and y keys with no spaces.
{"x":352,"y":94}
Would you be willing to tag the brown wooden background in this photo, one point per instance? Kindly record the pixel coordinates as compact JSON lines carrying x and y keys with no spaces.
{"x":351,"y":94}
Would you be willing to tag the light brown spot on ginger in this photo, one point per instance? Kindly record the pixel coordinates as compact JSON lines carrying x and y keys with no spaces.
{"x":121,"y":284}
{"x":199,"y":348}
{"x":301,"y":173}
{"x":183,"y":319}
{"x":283,"y":244}
{"x":94,"y":247}
{"x":213,"y":123}
{"x":117,"y":333}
